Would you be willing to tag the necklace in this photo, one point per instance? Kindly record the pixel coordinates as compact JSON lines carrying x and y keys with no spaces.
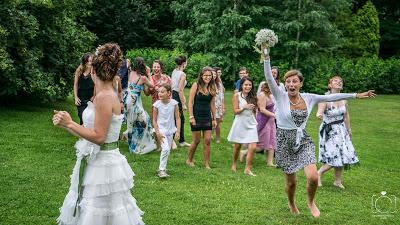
{"x":294,"y":104}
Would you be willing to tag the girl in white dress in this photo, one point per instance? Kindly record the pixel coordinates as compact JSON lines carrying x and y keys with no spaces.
{"x":166,"y":122}
{"x":244,"y":127}
{"x":103,"y":195}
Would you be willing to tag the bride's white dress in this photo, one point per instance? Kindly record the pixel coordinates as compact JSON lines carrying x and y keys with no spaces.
{"x":105,"y":198}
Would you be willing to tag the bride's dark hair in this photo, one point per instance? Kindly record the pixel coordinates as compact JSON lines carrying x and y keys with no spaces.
{"x":106,"y":61}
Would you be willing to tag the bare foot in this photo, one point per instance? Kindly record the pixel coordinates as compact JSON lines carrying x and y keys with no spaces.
{"x":271,"y":165}
{"x":207,"y":167}
{"x":191,"y":164}
{"x":319,"y":180}
{"x":249,"y":173}
{"x":233,"y":167}
{"x":173,"y":145}
{"x":243,"y":154}
{"x":314,"y":210}
{"x":293,"y":209}
{"x":339,"y":185}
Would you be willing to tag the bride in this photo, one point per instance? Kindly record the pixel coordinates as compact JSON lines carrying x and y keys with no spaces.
{"x":102,"y":196}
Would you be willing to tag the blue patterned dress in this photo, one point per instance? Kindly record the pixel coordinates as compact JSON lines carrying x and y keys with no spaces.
{"x":140,"y":131}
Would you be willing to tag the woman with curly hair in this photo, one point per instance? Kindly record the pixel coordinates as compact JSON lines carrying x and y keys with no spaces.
{"x":102,"y":196}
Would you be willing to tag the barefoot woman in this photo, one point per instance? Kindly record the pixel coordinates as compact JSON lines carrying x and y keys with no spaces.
{"x":295,"y":149}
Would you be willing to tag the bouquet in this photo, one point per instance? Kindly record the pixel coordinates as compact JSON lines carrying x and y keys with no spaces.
{"x":265,"y":38}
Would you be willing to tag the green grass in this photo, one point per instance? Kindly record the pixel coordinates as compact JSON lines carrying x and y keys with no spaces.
{"x":36,"y":160}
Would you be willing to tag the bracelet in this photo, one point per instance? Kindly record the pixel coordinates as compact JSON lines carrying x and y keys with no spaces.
{"x":191,"y":117}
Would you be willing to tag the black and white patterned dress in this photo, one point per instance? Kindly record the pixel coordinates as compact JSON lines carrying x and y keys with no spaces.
{"x":335,"y":146}
{"x":287,"y":157}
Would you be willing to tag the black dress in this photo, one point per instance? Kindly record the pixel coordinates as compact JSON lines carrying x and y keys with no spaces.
{"x":202,"y":112}
{"x":85,"y":93}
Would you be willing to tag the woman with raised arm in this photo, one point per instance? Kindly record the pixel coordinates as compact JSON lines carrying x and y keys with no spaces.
{"x":102,"y":196}
{"x":295,"y":149}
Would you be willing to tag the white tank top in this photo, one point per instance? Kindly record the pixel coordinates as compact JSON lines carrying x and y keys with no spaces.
{"x":176,"y":77}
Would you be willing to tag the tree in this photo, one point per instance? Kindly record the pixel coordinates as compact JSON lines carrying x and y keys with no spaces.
{"x":307,"y":30}
{"x":365,"y":38}
{"x":41,"y":46}
{"x":221,"y":27}
{"x":130,"y":23}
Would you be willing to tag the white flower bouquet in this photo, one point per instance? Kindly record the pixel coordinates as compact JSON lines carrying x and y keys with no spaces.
{"x":265,"y":38}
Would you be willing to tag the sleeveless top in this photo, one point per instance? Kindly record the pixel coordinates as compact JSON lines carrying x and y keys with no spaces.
{"x":201,"y":106}
{"x":85,"y":87}
{"x":115,"y":124}
{"x":175,"y":77}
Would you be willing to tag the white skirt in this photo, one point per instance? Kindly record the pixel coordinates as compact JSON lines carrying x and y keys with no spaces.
{"x":106,"y":197}
{"x":244,"y":129}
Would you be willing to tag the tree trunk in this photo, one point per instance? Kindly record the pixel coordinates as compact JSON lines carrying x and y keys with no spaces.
{"x":296,"y":59}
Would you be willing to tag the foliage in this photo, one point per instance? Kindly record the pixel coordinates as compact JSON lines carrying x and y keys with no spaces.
{"x":307,"y":30}
{"x":41,"y":45}
{"x":365,"y":37}
{"x":361,"y":75}
{"x":221,"y":27}
{"x":195,"y":61}
{"x":132,"y":24}
{"x":389,"y":25}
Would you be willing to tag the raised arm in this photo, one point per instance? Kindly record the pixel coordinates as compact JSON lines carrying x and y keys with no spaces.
{"x":343,"y":96}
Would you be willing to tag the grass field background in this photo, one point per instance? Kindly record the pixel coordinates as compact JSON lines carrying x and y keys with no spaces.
{"x":36,"y":160}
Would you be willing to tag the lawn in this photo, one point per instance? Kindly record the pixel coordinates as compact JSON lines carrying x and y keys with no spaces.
{"x":36,"y":161}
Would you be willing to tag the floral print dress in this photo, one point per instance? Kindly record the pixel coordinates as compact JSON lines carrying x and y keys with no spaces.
{"x":140,"y":131}
{"x":335,"y":146}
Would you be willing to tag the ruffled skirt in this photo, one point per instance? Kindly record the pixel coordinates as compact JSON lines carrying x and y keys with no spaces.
{"x":106,"y":197}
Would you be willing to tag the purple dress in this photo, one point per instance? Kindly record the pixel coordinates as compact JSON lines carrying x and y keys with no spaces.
{"x":266,"y":128}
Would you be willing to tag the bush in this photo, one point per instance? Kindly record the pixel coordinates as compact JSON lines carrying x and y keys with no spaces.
{"x":361,"y":75}
{"x":40,"y":48}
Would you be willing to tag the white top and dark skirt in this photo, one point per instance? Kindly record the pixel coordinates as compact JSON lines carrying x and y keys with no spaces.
{"x":295,"y":149}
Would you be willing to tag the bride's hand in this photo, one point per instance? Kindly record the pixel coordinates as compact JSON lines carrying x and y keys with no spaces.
{"x":61,"y":119}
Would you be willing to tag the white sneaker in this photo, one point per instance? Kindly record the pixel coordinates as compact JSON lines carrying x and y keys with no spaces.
{"x":184,"y":144}
{"x":162,"y":174}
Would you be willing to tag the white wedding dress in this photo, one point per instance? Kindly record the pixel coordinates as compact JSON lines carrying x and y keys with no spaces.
{"x":107,"y":179}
